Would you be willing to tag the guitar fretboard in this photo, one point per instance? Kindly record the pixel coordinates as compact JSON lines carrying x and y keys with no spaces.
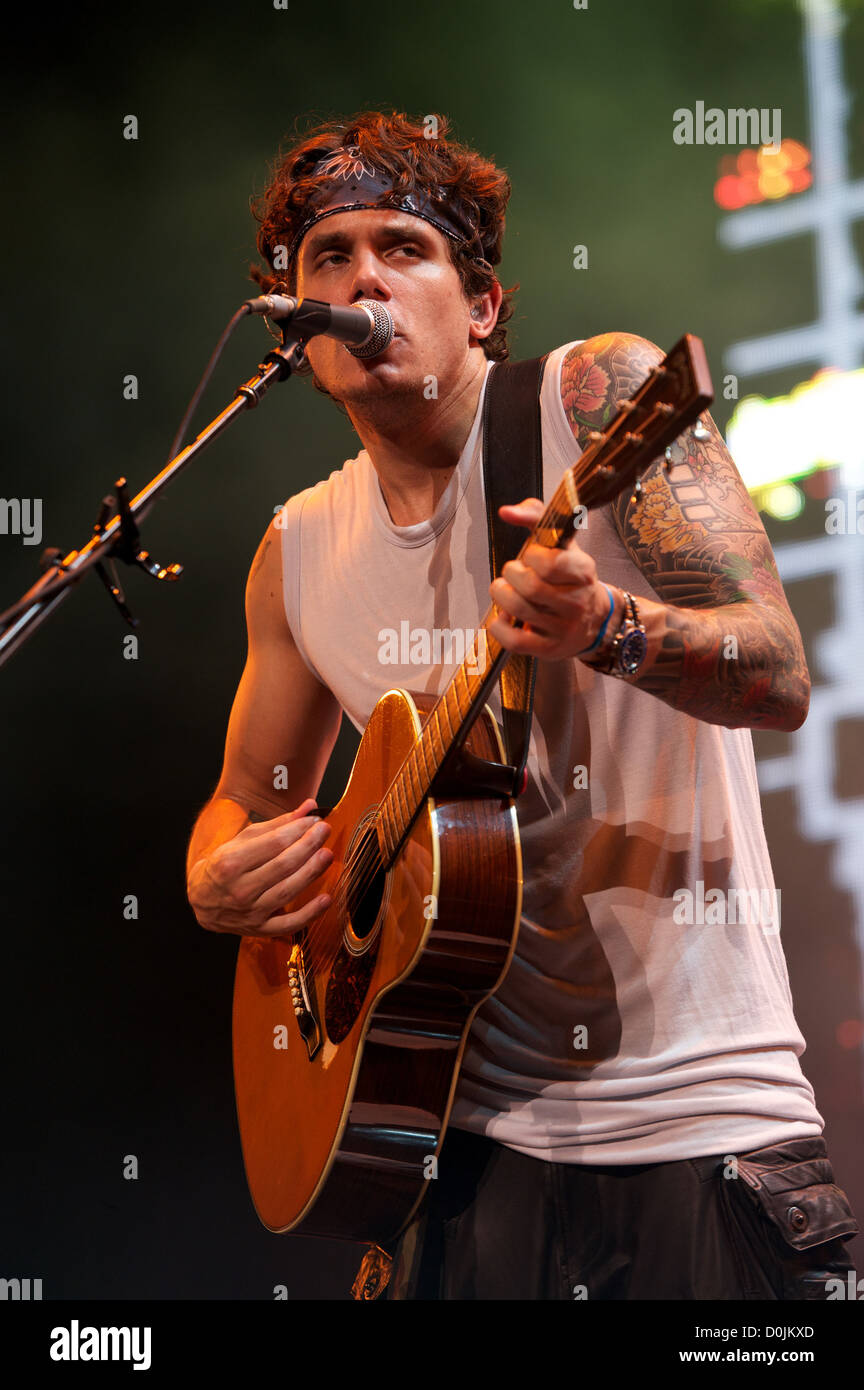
{"x":465,"y":694}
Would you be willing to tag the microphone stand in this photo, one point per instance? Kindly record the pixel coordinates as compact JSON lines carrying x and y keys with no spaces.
{"x":121,"y":536}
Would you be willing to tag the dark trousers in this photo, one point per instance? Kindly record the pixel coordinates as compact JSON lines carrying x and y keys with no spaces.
{"x":772,"y":1224}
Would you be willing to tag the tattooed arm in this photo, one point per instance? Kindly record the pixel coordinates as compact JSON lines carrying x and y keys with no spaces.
{"x":723,"y":645}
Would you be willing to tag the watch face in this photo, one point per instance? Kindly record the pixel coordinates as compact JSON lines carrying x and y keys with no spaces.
{"x":632,"y":652}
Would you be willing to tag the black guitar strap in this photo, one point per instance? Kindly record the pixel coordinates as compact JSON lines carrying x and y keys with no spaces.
{"x":513,"y":470}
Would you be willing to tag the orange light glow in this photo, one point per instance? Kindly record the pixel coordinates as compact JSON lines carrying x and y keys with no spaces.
{"x":754,"y":176}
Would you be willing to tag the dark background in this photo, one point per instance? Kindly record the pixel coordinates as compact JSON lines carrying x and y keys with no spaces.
{"x":124,"y":257}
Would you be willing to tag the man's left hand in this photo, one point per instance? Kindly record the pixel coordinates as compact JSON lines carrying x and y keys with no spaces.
{"x":555,"y":593}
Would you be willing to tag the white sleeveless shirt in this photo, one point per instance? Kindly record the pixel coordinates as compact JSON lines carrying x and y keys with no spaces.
{"x":626,"y":1030}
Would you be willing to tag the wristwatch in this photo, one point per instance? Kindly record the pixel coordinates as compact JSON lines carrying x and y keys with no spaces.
{"x":629,"y":645}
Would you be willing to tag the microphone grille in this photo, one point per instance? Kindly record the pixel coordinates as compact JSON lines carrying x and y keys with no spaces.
{"x":382,"y":333}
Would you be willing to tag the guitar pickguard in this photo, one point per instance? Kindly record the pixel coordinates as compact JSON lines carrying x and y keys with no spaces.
{"x":349,"y":983}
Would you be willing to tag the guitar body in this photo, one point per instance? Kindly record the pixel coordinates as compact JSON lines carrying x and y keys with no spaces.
{"x":348,"y":1037}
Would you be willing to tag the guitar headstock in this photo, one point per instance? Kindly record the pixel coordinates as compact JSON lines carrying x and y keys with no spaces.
{"x":673,"y":395}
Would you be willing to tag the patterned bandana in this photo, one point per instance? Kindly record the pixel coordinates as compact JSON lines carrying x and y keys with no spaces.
{"x":352,"y":184}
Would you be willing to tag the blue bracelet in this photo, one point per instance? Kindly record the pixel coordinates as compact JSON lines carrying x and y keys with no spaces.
{"x":600,"y":635}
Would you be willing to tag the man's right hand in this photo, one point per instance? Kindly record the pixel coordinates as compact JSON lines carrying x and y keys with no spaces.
{"x":243,"y":884}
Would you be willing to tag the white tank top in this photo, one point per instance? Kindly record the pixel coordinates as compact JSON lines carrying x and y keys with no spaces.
{"x":619,"y":1035}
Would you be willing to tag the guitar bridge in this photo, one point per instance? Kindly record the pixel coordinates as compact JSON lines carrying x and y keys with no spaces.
{"x":300,"y":982}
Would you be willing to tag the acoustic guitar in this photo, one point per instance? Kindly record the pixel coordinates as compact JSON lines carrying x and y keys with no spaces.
{"x":348,"y":1036}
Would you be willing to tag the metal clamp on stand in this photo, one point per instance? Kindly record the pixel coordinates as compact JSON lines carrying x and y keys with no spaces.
{"x":116,"y":531}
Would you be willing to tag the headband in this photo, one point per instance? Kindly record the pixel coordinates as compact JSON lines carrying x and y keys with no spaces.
{"x":351,"y":184}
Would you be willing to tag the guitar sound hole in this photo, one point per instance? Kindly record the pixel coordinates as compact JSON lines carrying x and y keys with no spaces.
{"x":366,"y":887}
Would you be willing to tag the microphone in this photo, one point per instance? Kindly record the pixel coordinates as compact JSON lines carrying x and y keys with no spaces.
{"x":366,"y":328}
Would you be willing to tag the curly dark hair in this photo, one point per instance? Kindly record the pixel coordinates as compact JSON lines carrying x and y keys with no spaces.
{"x":402,"y":147}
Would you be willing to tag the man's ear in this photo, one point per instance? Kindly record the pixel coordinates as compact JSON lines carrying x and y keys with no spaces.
{"x":484,"y":313}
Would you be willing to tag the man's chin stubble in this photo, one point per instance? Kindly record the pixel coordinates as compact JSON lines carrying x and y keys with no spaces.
{"x":374,"y":390}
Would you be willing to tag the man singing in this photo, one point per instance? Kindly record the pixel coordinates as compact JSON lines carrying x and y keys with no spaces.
{"x":631,"y":1119}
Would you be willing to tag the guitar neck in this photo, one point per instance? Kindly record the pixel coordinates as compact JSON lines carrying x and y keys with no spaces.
{"x":465,"y":695}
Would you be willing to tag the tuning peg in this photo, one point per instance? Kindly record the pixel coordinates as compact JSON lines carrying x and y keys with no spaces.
{"x":701,"y":430}
{"x":668,"y":458}
{"x":636,"y":495}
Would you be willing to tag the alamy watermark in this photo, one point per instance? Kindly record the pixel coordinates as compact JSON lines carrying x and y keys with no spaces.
{"x":736,"y":126}
{"x":77,"y":1343}
{"x":20,"y":1290}
{"x":844,"y":516}
{"x":752,"y":907}
{"x":436,"y":646}
{"x":22,"y":516}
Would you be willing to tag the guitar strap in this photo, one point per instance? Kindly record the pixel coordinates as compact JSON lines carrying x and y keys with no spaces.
{"x":513,"y":470}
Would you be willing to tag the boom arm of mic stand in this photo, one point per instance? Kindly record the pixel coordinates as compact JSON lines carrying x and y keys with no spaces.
{"x":31,"y":610}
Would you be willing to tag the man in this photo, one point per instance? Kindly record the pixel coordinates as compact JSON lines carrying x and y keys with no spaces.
{"x":636,"y":1073}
